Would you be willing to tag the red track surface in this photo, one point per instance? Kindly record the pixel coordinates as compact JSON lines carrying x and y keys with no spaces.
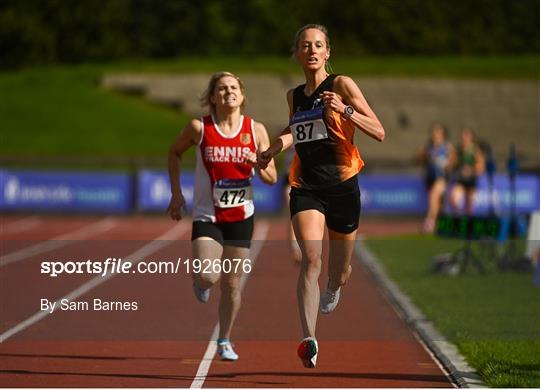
{"x":364,"y":343}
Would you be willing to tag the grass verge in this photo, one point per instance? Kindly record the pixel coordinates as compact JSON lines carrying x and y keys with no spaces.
{"x":484,"y":67}
{"x":62,"y":111}
{"x":494,"y":318}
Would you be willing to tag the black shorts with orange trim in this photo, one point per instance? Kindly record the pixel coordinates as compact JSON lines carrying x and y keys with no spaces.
{"x":340,"y":204}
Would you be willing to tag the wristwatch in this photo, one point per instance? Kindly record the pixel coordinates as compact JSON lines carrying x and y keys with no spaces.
{"x":348,"y":112}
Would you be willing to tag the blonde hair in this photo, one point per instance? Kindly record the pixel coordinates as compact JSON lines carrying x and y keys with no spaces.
{"x":205,"y":96}
{"x":322,"y":29}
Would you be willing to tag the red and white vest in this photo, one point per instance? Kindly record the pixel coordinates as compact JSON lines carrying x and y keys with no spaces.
{"x":223,"y":190}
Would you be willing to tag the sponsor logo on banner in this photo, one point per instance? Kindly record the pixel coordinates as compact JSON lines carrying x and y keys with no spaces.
{"x":65,"y":191}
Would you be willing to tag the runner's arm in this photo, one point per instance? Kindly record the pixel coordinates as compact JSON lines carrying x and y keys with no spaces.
{"x":268,"y":174}
{"x":364,"y":118}
{"x":189,"y":136}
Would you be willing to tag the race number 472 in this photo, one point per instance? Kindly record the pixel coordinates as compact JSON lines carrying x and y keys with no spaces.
{"x":232,"y":197}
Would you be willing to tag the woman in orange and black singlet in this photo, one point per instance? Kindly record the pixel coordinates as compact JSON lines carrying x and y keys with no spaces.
{"x":323,"y":115}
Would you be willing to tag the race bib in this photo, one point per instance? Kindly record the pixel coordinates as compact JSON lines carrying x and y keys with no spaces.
{"x":232,"y":193}
{"x":308,"y":126}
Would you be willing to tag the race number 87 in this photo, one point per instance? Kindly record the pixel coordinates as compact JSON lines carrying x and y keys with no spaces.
{"x":301,"y":131}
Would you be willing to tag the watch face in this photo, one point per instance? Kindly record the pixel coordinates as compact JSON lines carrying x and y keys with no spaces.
{"x":349,"y":110}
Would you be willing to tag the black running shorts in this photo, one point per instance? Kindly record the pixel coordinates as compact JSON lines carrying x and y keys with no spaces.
{"x":340,"y":204}
{"x":226,"y":233}
{"x":469,"y":182}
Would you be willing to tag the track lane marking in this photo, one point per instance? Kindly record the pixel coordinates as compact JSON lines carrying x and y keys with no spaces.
{"x":165,"y":239}
{"x":85,"y":232}
{"x":261,"y":232}
{"x":21,"y":225}
{"x":362,"y":252}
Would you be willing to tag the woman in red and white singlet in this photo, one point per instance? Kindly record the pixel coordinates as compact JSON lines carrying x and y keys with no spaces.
{"x":226,"y":144}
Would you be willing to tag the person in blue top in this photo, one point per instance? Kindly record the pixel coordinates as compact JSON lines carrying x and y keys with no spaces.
{"x":438,"y":156}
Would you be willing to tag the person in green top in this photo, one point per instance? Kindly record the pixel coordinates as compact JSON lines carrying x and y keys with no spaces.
{"x":469,"y":165}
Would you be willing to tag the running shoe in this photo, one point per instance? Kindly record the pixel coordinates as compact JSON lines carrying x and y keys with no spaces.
{"x":226,"y":351}
{"x":307,"y":352}
{"x":202,"y":294}
{"x":329,"y":300}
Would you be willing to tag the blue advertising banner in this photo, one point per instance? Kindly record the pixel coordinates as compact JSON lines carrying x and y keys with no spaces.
{"x":101,"y":192}
{"x":406,"y":194}
{"x":154,"y":192}
{"x":381,"y":193}
{"x":65,"y":191}
{"x":526,"y":195}
{"x":392,"y":194}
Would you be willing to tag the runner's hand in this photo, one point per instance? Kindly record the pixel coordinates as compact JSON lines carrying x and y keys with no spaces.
{"x":250,"y":158}
{"x":333,"y":100}
{"x":176,"y":205}
{"x":264,"y":158}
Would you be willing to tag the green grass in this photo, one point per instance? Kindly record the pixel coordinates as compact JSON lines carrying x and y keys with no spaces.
{"x":62,"y":111}
{"x":494,"y":319}
{"x":486,"y":67}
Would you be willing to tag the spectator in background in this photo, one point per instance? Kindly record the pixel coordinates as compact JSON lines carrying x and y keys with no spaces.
{"x":437,"y":155}
{"x":469,"y":165}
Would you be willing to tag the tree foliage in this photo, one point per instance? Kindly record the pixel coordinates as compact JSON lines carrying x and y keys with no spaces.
{"x":64,"y":31}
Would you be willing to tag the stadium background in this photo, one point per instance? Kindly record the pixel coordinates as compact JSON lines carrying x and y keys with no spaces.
{"x":92,"y":93}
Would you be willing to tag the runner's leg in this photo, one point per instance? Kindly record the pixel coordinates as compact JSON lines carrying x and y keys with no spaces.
{"x":309,"y":230}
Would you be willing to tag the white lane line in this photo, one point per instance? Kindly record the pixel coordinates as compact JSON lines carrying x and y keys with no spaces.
{"x":142,"y":253}
{"x":85,"y":232}
{"x":443,"y":353}
{"x":259,"y":236}
{"x":20,"y":226}
{"x":206,"y":361}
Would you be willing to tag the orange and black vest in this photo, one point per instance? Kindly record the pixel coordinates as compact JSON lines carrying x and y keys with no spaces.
{"x":324,"y":141}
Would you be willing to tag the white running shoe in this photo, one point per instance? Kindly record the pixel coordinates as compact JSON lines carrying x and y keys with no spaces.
{"x":226,"y":351}
{"x":202,"y":294}
{"x":329,"y":300}
{"x":308,"y":351}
